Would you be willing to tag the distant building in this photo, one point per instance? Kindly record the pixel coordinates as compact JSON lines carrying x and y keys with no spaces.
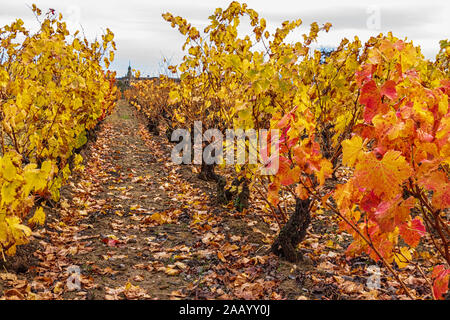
{"x":129,"y":75}
{"x":124,"y":82}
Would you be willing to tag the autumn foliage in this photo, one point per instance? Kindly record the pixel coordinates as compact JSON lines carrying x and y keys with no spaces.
{"x":400,"y":155}
{"x":378,"y":111}
{"x":53,"y":91}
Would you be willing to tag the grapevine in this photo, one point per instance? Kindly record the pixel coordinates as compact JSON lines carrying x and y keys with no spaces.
{"x":53,"y":90}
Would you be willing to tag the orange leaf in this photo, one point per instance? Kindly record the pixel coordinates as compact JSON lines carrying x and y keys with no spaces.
{"x":221,"y":257}
{"x":383,"y":176}
{"x":413,"y":231}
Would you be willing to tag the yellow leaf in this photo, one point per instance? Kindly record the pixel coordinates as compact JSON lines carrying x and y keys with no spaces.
{"x":11,"y":251}
{"x":46,"y":168}
{"x":3,"y":231}
{"x":351,"y":149}
{"x":38,"y":217}
{"x":157,"y":218}
{"x":443,"y":104}
{"x":33,"y":179}
{"x":403,"y":257}
{"x":8,"y":192}
{"x":326,"y":169}
{"x":8,"y":169}
{"x":18,"y":230}
{"x":171,"y":271}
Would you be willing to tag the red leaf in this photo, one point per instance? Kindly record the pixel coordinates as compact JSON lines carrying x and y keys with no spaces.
{"x":440,"y":284}
{"x":384,"y":216}
{"x":371,"y":98}
{"x":111,"y":242}
{"x":418,"y":226}
{"x":388,"y":90}
{"x":370,"y":201}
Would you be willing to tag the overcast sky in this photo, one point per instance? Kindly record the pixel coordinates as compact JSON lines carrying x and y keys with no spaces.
{"x":144,"y":38}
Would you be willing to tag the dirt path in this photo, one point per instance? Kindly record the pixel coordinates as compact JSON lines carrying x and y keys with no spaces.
{"x":130,"y":188}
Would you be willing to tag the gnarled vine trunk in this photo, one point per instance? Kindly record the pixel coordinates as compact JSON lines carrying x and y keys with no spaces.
{"x":169,"y":132}
{"x":207,"y":172}
{"x":225,"y":195}
{"x":293,"y":232}
{"x":242,"y":199}
{"x":153,"y":127}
